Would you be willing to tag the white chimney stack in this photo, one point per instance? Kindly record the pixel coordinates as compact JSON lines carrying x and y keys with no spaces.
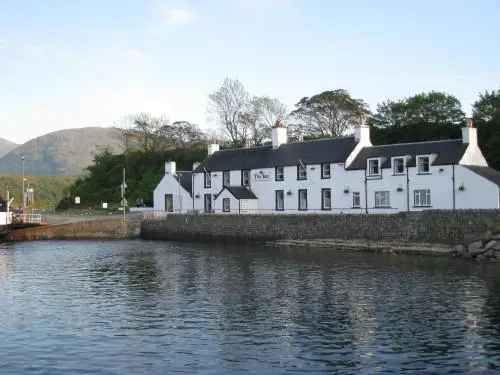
{"x":469,"y":133}
{"x":362,"y":132}
{"x":195,"y":165}
{"x":278,"y":134}
{"x":170,"y":167}
{"x":213,"y":147}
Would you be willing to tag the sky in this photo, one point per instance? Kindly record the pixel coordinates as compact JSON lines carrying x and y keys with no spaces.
{"x":75,"y":63}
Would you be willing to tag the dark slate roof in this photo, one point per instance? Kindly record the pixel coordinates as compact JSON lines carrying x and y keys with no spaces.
{"x":448,"y":152}
{"x":185,"y":179}
{"x":489,"y":173}
{"x":331,"y":150}
{"x":239,"y":192}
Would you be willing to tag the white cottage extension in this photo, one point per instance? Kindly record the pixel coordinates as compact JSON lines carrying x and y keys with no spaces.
{"x":345,"y":174}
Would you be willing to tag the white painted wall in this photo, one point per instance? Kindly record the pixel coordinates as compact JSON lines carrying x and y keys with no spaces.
{"x":479,"y":192}
{"x":217,"y":204}
{"x":169,"y":185}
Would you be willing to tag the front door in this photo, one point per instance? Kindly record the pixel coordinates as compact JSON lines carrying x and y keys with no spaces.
{"x":169,"y":202}
{"x":208,"y":202}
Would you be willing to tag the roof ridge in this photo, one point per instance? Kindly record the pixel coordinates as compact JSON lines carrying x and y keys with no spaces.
{"x":415,"y":143}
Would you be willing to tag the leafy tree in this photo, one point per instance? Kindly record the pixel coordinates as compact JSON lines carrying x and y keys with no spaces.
{"x":486,"y":113}
{"x":330,"y":113}
{"x":183,"y":135}
{"x":436,"y":108}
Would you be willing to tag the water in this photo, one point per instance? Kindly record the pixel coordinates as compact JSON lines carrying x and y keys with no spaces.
{"x":132,"y":307}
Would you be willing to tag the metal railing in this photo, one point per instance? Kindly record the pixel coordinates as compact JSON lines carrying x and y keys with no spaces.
{"x":28,"y":218}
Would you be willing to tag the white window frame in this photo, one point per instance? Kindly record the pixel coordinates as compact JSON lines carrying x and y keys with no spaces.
{"x":245,"y":177}
{"x":327,"y":167}
{"x":280,"y":173}
{"x":208,"y":180}
{"x":383,"y":199}
{"x":224,"y":208}
{"x":301,"y":172}
{"x":302,"y":207}
{"x":280,"y":203}
{"x":422,"y":198}
{"x":369,"y":167}
{"x":394,"y":160}
{"x":356,"y":199}
{"x":422,"y":157}
{"x":224,"y":175}
{"x":326,"y":202}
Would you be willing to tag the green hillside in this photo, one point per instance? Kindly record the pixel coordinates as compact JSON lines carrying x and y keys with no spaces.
{"x":62,"y":153}
{"x":48,"y":191}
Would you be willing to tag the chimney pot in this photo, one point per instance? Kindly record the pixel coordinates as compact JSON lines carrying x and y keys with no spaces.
{"x":470,"y":123}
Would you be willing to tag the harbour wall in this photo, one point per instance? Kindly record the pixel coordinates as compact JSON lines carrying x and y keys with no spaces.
{"x":432,"y":226}
{"x":88,"y":229}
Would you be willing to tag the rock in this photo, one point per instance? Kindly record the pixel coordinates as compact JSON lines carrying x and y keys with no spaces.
{"x":497,"y":254}
{"x":487,"y":236}
{"x":476,"y":248}
{"x":490,"y":253}
{"x":490,"y":245}
{"x":480,"y":258}
{"x":466,"y":255}
{"x":459,"y":250}
{"x":496,"y":236}
{"x":497,"y":246}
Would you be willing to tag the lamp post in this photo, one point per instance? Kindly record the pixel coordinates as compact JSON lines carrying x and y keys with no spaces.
{"x":24,"y":197}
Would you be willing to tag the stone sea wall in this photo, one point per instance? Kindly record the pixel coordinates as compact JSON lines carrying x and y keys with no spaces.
{"x":433,"y":226}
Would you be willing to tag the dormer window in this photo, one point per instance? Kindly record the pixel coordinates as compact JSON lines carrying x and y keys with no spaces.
{"x":423,"y":164}
{"x":374,"y":167}
{"x":398,"y":165}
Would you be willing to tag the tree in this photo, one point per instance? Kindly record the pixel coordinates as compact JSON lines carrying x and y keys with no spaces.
{"x":182,"y":135}
{"x":486,"y":113}
{"x":227,"y":106}
{"x":330,"y":113}
{"x":436,"y":108}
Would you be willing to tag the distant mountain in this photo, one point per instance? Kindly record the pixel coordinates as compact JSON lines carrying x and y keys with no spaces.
{"x":61,"y":153}
{"x":6,"y":146}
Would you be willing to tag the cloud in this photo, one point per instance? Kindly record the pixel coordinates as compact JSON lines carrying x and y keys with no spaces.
{"x":66,"y":55}
{"x":132,"y":55}
{"x":34,"y":51}
{"x":177,"y":16}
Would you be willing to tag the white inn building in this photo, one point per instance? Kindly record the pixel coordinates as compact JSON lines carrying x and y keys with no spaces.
{"x":345,"y":174}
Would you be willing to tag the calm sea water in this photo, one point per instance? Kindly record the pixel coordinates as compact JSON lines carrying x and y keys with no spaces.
{"x":134,"y":307}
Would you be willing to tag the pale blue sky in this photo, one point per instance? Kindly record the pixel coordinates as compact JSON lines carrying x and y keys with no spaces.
{"x":74,"y":63}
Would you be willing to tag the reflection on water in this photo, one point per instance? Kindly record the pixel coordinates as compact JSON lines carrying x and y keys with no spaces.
{"x":132,"y":307}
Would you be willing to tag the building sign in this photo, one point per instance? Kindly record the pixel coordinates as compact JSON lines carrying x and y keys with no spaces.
{"x":77,"y":200}
{"x":262,"y":176}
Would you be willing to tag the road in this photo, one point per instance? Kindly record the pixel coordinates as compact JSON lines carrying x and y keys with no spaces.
{"x":53,"y":219}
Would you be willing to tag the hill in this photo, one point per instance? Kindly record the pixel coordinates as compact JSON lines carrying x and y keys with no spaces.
{"x":6,"y":146}
{"x":61,"y":153}
{"x":48,"y":191}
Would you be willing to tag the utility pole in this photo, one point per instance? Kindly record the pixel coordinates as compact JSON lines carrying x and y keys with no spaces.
{"x":124,"y":186}
{"x":24,"y":197}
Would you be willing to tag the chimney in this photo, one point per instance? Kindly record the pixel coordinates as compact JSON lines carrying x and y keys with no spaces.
{"x":195,"y":165}
{"x":300,"y":137}
{"x":247,"y":143}
{"x":469,"y":133}
{"x":170,"y":167}
{"x":213,"y":147}
{"x":362,"y":131}
{"x":279,"y":135}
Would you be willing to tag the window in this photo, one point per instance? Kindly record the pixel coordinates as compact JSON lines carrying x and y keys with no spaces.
{"x":208,"y":179}
{"x":303,"y":199}
{"x":325,"y":170}
{"x":301,"y":172}
{"x":398,"y":166}
{"x":423,"y":164}
{"x":226,"y":205}
{"x":326,"y":199}
{"x":280,"y":200}
{"x":279,"y":174}
{"x":208,"y":202}
{"x":373,"y":167}
{"x":382,"y":199}
{"x":226,"y":178}
{"x":422,"y":198}
{"x":356,"y":199}
{"x":169,"y":202}
{"x":245,"y":177}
